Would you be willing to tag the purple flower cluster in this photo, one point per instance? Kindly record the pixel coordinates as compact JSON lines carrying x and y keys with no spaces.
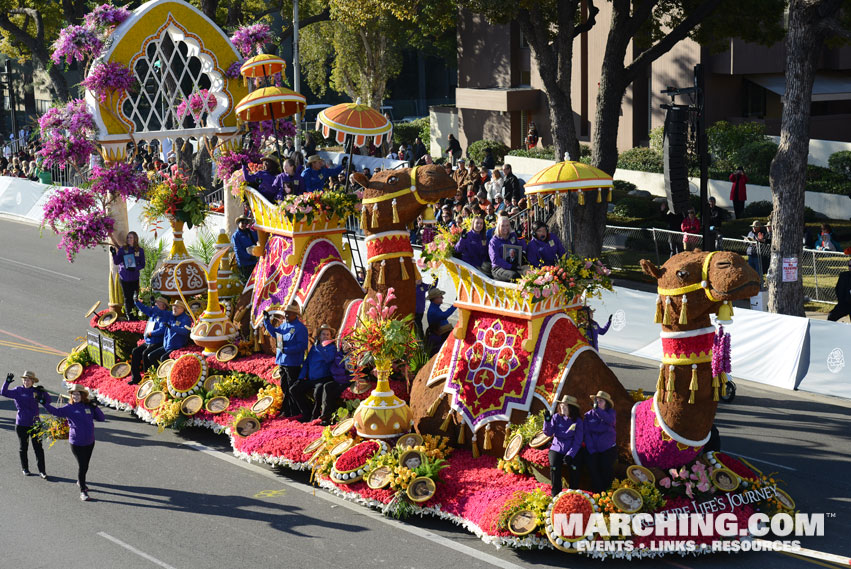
{"x":78,"y":43}
{"x":106,"y":78}
{"x":119,"y":180}
{"x":106,"y":16}
{"x":233,"y":71}
{"x":73,"y":118}
{"x":248,"y":38}
{"x":197,"y":105}
{"x":84,"y":231}
{"x":63,"y":151}
{"x":64,"y":203}
{"x":265,"y":129}
{"x":230,"y":162}
{"x":721,"y":352}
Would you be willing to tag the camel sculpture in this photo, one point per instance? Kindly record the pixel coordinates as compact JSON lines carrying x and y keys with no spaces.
{"x":306,"y":266}
{"x":578,"y":370}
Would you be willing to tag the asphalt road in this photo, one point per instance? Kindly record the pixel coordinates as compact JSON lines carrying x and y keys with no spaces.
{"x":181,"y":500}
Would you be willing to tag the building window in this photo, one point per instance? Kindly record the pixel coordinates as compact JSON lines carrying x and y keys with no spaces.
{"x":754,"y":100}
{"x":525,"y":78}
{"x":42,"y":106}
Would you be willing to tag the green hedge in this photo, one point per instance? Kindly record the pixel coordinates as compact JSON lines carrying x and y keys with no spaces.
{"x":641,"y":159}
{"x":476,"y":151}
{"x":406,"y":132}
{"x":545,"y":153}
{"x":635,"y":207}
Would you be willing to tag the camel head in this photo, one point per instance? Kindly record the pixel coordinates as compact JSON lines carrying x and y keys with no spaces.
{"x":706,"y":279}
{"x":388,"y":186}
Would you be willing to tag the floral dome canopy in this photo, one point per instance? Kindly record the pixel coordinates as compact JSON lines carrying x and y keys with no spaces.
{"x":174,"y":52}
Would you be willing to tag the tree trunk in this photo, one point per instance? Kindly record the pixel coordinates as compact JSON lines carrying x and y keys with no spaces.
{"x":804,"y":42}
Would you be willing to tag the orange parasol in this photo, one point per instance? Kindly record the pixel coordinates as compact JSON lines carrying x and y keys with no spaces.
{"x":357,"y":120}
{"x":263,"y":65}
{"x":270,"y":103}
{"x":569,"y":176}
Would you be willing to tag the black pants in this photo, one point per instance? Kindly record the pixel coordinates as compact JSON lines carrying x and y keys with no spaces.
{"x":838,"y":312}
{"x":83,"y":454}
{"x":24,"y":437}
{"x":140,"y":360}
{"x":601,"y":468}
{"x":418,"y":325}
{"x":298,"y":392}
{"x":129,"y":288}
{"x":155,"y":356}
{"x":556,"y":461}
{"x":739,"y":209}
{"x":289,"y":379}
{"x":326,"y":396}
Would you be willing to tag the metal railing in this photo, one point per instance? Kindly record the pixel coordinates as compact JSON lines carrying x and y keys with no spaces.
{"x":623,"y":247}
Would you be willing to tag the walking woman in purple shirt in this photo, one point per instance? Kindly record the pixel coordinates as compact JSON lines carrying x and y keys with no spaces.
{"x":600,"y":441}
{"x":566,"y":429}
{"x":81,"y":415}
{"x":26,"y":400}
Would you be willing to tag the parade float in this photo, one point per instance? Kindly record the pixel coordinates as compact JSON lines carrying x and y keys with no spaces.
{"x":457,"y":436}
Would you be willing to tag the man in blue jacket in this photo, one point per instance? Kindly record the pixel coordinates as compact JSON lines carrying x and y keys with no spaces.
{"x":438,"y":320}
{"x":291,"y":339}
{"x":315,"y":372}
{"x":176,"y":334}
{"x":158,"y":315}
{"x":315,"y":175}
{"x":242,"y":238}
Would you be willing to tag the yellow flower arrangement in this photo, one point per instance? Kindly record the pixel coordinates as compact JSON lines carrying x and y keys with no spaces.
{"x":166,"y":414}
{"x":513,"y":466}
{"x":402,"y":478}
{"x":537,"y":501}
{"x":50,"y":427}
{"x":277,"y":395}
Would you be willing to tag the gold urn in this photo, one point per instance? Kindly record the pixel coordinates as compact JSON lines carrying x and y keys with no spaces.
{"x":382,"y":415}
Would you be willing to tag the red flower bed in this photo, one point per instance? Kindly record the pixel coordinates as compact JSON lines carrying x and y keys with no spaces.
{"x":360,"y":488}
{"x":280,"y":437}
{"x":736,"y":466}
{"x":185,"y":373}
{"x":573,"y":503}
{"x":135,"y":327}
{"x":356,"y":456}
{"x":537,"y":456}
{"x":226,"y":419}
{"x":97,"y":377}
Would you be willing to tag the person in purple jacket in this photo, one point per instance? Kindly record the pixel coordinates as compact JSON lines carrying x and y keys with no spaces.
{"x":567,"y":431}
{"x":81,"y":415}
{"x":332,"y":390}
{"x":26,"y":400}
{"x":288,"y":182}
{"x":473,"y":246}
{"x":130,"y":260}
{"x":600,"y":441}
{"x":264,"y":179}
{"x":545,"y":249}
{"x":504,"y":267}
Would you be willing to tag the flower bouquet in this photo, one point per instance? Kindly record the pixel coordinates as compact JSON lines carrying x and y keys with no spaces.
{"x":692,"y":481}
{"x":247,"y":39}
{"x":51,"y":428}
{"x":571,"y":277}
{"x":441,"y":247}
{"x":175,"y":198}
{"x":109,"y":79}
{"x":303,"y":208}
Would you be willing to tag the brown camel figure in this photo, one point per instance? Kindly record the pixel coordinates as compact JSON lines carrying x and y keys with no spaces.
{"x":392,"y":204}
{"x":730,"y":278}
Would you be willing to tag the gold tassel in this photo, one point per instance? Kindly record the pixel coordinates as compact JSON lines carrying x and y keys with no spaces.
{"x":367,"y":281}
{"x":488,"y":437}
{"x":462,"y":432}
{"x":725,"y":311}
{"x":671,"y":384}
{"x":363,"y":217}
{"x":381,"y":273}
{"x":684,"y":311}
{"x":375,"y":215}
{"x":245,"y":81}
{"x":715,"y":385}
{"x":558,"y":200}
{"x":657,"y":319}
{"x":395,"y":211}
{"x":404,"y":270}
{"x":417,"y":275}
{"x":432,"y":409}
{"x":610,"y":196}
{"x":475,"y":447}
{"x":581,"y":195}
{"x":444,"y":426}
{"x":693,"y":386}
{"x":599,"y":195}
{"x":660,"y":383}
{"x":540,"y":200}
{"x":666,"y":317}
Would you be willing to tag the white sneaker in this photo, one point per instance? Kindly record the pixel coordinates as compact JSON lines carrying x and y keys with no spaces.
{"x":84,"y":496}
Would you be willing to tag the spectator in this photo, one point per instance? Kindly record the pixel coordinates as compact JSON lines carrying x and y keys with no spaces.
{"x":532,"y":136}
{"x":289,"y":149}
{"x":826,"y":241}
{"x":690,"y":226}
{"x":242,"y":239}
{"x":453,"y":148}
{"x":739,"y":191}
{"x":511,"y":186}
{"x":309,"y":146}
{"x":419,"y":150}
{"x":505,"y":266}
{"x":716,"y":218}
{"x":759,"y":245}
{"x":494,"y":186}
{"x":446,"y":217}
{"x":490,"y":217}
{"x":672,"y":221}
{"x":488,"y":162}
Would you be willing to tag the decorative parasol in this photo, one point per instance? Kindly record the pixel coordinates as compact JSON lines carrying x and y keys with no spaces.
{"x":357,"y":123}
{"x":271,"y":103}
{"x":263,"y":65}
{"x":569,"y":176}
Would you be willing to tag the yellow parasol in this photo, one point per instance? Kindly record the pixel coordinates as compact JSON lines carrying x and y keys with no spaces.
{"x":569,"y":176}
{"x":263,"y":65}
{"x":270,"y":103}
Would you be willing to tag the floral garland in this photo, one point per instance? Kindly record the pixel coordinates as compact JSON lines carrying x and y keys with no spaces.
{"x":105,"y":79}
{"x":304,"y":208}
{"x":570,"y":277}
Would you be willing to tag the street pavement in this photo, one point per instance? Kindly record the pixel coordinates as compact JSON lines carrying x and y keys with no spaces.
{"x":181,"y":500}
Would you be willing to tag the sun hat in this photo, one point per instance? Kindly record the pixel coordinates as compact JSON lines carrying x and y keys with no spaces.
{"x":434,"y":293}
{"x":30,"y":375}
{"x":242,"y":218}
{"x":314,"y":158}
{"x":757,"y":224}
{"x":162,"y":299}
{"x":179,"y":303}
{"x":294,"y":308}
{"x":569,"y":400}
{"x":603,"y":395}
